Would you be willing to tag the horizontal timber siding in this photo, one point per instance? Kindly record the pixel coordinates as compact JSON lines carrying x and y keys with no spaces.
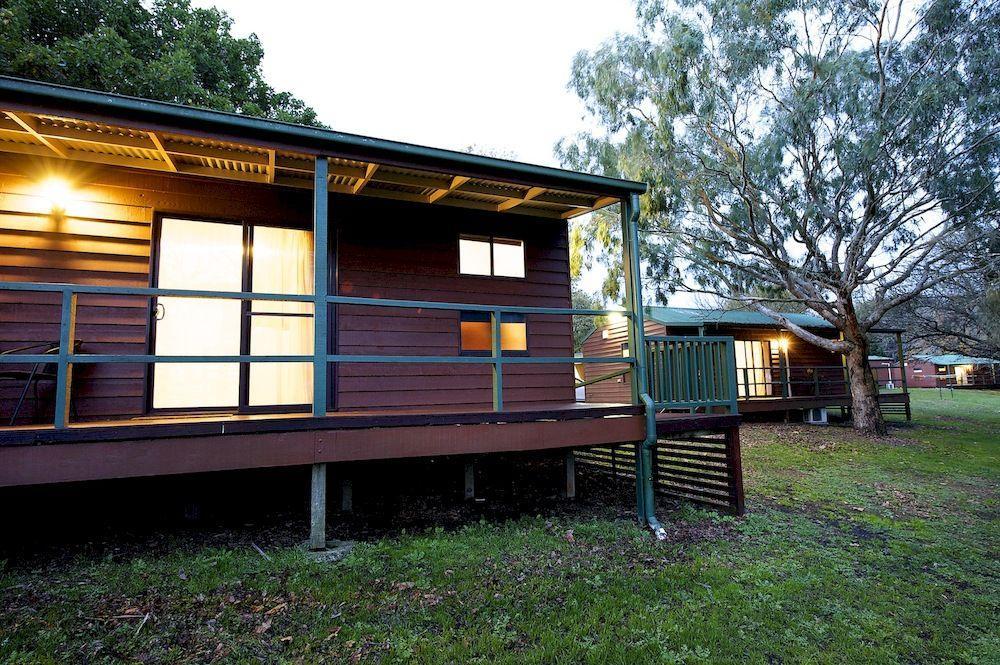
{"x":394,"y":250}
{"x":390,"y":250}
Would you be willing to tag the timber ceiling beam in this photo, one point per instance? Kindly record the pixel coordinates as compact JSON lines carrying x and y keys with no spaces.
{"x":456,"y":182}
{"x":513,"y":202}
{"x":163,"y":153}
{"x":29,"y":125}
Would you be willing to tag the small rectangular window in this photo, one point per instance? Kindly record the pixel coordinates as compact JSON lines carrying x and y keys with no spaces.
{"x":476,"y":336}
{"x":497,"y":257}
{"x":474,"y":257}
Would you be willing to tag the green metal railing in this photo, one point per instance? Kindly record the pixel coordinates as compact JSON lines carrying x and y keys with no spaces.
{"x":65,"y":359}
{"x":691,"y":372}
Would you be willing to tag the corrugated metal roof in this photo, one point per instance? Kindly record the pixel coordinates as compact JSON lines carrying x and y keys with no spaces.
{"x":955,"y":359}
{"x":695,"y":317}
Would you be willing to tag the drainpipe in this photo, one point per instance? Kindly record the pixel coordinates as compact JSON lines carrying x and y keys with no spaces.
{"x":647,"y":502}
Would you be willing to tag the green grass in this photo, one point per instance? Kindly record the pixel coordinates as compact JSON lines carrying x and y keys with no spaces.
{"x":851,"y":551}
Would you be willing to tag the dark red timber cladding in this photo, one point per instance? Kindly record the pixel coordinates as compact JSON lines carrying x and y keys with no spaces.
{"x":606,"y":342}
{"x":410,"y":252}
{"x":108,"y":243}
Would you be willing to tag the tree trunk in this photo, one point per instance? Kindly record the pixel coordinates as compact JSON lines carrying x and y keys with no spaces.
{"x":867,"y":415}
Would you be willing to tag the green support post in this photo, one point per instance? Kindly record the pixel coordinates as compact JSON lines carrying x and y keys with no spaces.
{"x":321,"y":248}
{"x":496,"y":319}
{"x":636,"y":337}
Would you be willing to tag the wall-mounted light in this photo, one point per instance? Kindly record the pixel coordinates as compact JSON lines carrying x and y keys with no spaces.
{"x":782,"y":343}
{"x":57,"y":193}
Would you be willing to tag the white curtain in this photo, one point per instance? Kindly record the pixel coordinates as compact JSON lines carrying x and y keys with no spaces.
{"x":282,"y":263}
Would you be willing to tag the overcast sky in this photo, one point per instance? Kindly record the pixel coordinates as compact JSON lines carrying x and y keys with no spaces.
{"x":448,"y":74}
{"x":442,"y":73}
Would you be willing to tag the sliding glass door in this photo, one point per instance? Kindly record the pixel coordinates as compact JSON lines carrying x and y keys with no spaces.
{"x":218,"y":256}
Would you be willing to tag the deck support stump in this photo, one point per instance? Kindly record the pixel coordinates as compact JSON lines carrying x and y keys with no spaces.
{"x":570,"y":475}
{"x":346,"y":495}
{"x":317,"y":509}
{"x":470,"y":481}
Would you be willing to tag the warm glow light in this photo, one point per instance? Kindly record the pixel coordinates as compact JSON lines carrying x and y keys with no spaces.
{"x":783,"y":344}
{"x":57,"y":192}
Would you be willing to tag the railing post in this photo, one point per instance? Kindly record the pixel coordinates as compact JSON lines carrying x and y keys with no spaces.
{"x":64,"y":371}
{"x":321,"y":247}
{"x":734,"y":391}
{"x":496,"y":339}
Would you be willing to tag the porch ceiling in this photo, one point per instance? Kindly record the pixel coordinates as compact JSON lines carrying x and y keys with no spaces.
{"x":131,"y":146}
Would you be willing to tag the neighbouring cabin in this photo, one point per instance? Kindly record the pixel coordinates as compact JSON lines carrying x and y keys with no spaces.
{"x":952,"y":370}
{"x":775,"y":371}
{"x":184,"y":290}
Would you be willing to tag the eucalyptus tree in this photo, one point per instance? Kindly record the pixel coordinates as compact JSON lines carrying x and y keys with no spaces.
{"x":819,"y":151}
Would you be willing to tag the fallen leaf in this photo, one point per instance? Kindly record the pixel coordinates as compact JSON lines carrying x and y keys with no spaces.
{"x":263,"y":628}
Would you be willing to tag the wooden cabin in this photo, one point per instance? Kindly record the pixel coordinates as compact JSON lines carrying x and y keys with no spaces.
{"x":775,"y":370}
{"x":952,"y":370}
{"x":184,"y":291}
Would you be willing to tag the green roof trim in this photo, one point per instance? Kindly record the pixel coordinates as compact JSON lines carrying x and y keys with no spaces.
{"x":35,"y":96}
{"x":955,"y":359}
{"x":695,"y":318}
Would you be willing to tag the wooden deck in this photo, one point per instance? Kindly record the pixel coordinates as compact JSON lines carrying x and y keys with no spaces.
{"x":164,"y":446}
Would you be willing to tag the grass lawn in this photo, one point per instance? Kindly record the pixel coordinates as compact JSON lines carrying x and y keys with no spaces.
{"x":851,"y":551}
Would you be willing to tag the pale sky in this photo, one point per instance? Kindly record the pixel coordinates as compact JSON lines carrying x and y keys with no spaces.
{"x":442,"y":73}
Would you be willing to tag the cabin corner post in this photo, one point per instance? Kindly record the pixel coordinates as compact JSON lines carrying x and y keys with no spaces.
{"x":637,"y":345}
{"x":321,"y":281}
{"x":633,"y":294}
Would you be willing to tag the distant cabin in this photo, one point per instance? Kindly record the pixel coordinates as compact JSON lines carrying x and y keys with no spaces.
{"x":952,"y":369}
{"x":775,"y":370}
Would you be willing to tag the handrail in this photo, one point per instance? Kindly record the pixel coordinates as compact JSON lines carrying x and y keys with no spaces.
{"x":67,"y":358}
{"x":691,"y":372}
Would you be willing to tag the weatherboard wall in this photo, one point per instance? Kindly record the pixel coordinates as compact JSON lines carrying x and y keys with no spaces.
{"x":386,"y":249}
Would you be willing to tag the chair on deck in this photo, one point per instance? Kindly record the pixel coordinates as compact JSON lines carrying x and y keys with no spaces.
{"x":31,"y":378}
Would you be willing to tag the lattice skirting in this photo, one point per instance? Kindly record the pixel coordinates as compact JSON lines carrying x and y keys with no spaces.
{"x":702,"y":468}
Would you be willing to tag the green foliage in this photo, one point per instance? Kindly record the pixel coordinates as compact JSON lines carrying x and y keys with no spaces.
{"x":832,"y":151}
{"x":852,"y":551}
{"x":164,"y":50}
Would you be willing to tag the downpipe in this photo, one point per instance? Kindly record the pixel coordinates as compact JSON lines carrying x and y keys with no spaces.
{"x":644,"y":472}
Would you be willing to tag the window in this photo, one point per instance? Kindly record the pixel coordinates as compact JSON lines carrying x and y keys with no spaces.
{"x":491,"y":257}
{"x":476,"y":337}
{"x":754,"y":362}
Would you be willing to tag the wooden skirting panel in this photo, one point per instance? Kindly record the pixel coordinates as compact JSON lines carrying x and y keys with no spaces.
{"x":54,"y":463}
{"x":704,"y":468}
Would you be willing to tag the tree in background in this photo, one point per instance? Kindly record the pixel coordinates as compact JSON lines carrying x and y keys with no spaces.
{"x":834,"y":152}
{"x":169,"y":52}
{"x":583,"y":326}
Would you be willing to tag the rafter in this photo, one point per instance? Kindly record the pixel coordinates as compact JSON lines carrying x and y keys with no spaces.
{"x":514,"y":201}
{"x":596,"y":205}
{"x":270,"y":165}
{"x":163,"y":153}
{"x":29,"y":126}
{"x":369,"y":172}
{"x":456,"y":182}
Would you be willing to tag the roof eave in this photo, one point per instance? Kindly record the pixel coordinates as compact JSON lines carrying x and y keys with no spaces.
{"x":22,"y":94}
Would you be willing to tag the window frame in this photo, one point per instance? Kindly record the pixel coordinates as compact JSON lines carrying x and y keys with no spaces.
{"x":491,"y":240}
{"x":474,"y":316}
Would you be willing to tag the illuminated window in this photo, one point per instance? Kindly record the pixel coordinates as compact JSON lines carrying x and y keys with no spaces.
{"x":476,"y":338}
{"x":496,"y":257}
